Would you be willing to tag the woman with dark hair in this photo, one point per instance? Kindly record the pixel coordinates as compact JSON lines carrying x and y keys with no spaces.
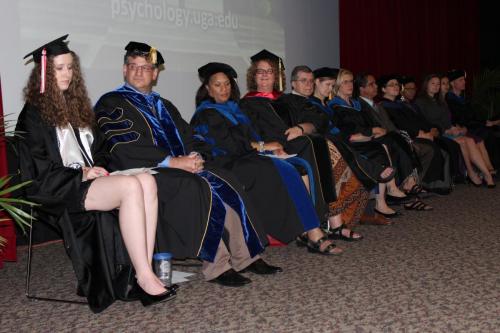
{"x":418,"y":130}
{"x":430,"y":108}
{"x":436,"y":113}
{"x":64,"y":155}
{"x":274,"y":186}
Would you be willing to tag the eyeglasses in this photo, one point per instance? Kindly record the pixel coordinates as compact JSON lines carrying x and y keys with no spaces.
{"x":392,"y":85}
{"x":305,"y":81}
{"x":262,"y":71}
{"x":135,"y":68}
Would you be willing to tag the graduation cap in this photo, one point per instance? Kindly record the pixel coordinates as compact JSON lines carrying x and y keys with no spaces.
{"x":455,"y":74}
{"x":152,"y":54}
{"x":326,"y":72}
{"x":54,"y":48}
{"x":266,"y":55}
{"x":382,"y":81}
{"x":216,"y":67}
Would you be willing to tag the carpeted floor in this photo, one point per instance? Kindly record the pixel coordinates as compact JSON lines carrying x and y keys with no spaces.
{"x":433,"y":271}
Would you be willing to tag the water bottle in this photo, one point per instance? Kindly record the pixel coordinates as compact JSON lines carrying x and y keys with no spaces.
{"x":163,"y":267}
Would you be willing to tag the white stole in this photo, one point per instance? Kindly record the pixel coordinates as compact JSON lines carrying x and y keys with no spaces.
{"x":70,"y":150}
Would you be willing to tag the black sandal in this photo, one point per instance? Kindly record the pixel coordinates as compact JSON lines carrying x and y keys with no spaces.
{"x":315,"y":247}
{"x":416,"y":190}
{"x":418,"y":205}
{"x":337,"y":234}
{"x":302,"y":240}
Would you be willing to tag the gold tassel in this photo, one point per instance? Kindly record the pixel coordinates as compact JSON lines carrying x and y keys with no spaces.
{"x":330,"y":95}
{"x":280,"y":77}
{"x":152,"y":55}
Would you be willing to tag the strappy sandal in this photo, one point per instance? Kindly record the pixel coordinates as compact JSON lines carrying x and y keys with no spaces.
{"x":337,"y":234}
{"x":418,"y":205}
{"x":416,"y":190}
{"x":315,"y":247}
{"x":301,"y":240}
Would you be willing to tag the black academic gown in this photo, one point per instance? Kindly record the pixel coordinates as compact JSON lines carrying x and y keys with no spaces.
{"x":402,"y":155}
{"x":270,"y":120}
{"x":92,"y":239}
{"x":280,"y":216}
{"x":410,"y":121}
{"x":184,"y":219}
{"x":351,"y":121}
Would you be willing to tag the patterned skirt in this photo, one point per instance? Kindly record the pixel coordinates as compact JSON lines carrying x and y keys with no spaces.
{"x":352,"y":197}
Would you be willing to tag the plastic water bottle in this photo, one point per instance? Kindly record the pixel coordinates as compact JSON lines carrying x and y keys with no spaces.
{"x":163,"y":267}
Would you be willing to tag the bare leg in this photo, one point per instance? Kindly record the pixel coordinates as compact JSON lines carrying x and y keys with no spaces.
{"x":148,"y":184}
{"x":125,"y":192}
{"x":477,"y":158}
{"x":380,"y":203}
{"x":464,"y":147}
{"x":485,"y":155}
{"x":393,"y":189}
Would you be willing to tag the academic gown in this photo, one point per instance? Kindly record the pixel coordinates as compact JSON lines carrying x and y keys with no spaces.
{"x":350,"y":120}
{"x":190,"y":220}
{"x":92,"y":239}
{"x":264,"y":114}
{"x":274,"y":186}
{"x":402,"y":155}
{"x":411,"y":122}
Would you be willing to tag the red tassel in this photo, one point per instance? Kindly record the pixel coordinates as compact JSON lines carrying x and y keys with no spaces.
{"x":43,"y":68}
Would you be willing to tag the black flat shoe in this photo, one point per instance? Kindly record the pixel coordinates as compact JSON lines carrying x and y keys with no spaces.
{"x":231,"y":278}
{"x":262,"y":268}
{"x":392,"y":200}
{"x":392,"y":215}
{"x":147,"y":299}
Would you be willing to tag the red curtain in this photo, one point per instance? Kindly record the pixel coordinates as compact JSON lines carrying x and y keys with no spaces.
{"x":3,"y":151}
{"x":409,"y":37}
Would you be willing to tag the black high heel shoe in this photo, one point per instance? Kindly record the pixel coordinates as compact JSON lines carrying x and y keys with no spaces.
{"x":147,"y":299}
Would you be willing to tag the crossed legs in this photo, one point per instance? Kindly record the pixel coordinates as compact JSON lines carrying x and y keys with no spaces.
{"x":136,"y":197}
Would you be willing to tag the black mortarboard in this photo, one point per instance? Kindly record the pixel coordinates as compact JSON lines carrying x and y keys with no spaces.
{"x":265,"y":55}
{"x":56,"y":47}
{"x":153,"y":55}
{"x":382,"y":81}
{"x":455,"y":74}
{"x":326,"y":72}
{"x":216,"y":67}
{"x":406,"y":79}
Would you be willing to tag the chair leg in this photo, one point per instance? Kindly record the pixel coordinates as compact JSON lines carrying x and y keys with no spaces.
{"x":28,"y":273}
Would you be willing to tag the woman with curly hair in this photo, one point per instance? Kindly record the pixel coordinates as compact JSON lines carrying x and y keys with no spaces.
{"x":65,"y":157}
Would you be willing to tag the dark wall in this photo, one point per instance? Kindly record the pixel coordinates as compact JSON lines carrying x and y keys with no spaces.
{"x":489,"y":37}
{"x":410,"y":37}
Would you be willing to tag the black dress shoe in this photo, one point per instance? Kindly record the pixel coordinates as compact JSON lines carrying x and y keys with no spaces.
{"x":389,"y":215}
{"x":147,"y":299}
{"x":231,"y":278}
{"x":261,"y":267}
